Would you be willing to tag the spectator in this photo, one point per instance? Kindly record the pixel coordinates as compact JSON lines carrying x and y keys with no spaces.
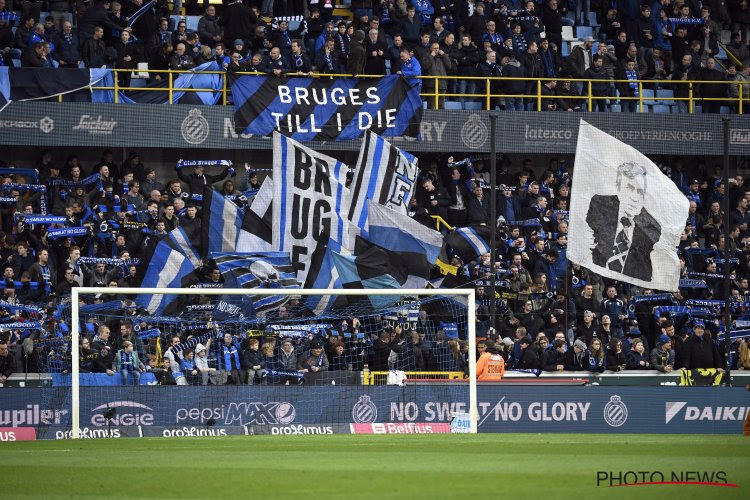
{"x":553,"y":359}
{"x":127,"y":363}
{"x":7,"y":362}
{"x":67,"y":44}
{"x":596,"y":360}
{"x":201,"y":362}
{"x":209,"y":31}
{"x":375,"y":52}
{"x":662,"y":356}
{"x":229,"y":360}
{"x":530,"y":355}
{"x":628,"y":87}
{"x":637,"y":358}
{"x":355,"y":63}
{"x":314,"y":363}
{"x":253,"y":361}
{"x":700,"y":350}
{"x":576,"y":359}
{"x":93,"y":51}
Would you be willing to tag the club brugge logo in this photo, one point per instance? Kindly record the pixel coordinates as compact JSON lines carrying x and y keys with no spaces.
{"x":364,"y":411}
{"x":615,"y":412}
{"x":194,"y":127}
{"x":474,"y":132}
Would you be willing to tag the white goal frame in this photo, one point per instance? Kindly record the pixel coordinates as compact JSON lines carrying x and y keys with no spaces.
{"x":75,"y":326}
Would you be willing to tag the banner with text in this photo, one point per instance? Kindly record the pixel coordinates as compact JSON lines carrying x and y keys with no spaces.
{"x":309,"y":109}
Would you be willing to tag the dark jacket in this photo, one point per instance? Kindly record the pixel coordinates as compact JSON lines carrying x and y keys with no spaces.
{"x":634,"y":361}
{"x":529,"y":358}
{"x":576,"y":362}
{"x":238,"y":21}
{"x":614,"y":360}
{"x":67,"y":52}
{"x":94,"y":53}
{"x":468,"y":58}
{"x":355,"y":63}
{"x":596,"y":365}
{"x":96,"y":15}
{"x":379,"y":355}
{"x":252,"y":358}
{"x":660,"y":359}
{"x":7,"y":364}
{"x":478,"y":213}
{"x":551,"y":358}
{"x":701,"y":352}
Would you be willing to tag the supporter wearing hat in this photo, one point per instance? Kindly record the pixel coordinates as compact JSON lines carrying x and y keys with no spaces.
{"x":314,"y":363}
{"x":662,"y":356}
{"x":700,"y":350}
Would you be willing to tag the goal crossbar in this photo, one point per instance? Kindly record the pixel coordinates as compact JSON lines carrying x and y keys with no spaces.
{"x":75,"y":324}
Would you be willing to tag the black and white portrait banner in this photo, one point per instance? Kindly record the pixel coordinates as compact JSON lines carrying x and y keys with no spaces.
{"x":626,"y":216}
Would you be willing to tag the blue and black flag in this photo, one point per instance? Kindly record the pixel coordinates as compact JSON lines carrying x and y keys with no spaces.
{"x":258,"y":270}
{"x":25,"y":84}
{"x":307,"y":109}
{"x":469,"y":242}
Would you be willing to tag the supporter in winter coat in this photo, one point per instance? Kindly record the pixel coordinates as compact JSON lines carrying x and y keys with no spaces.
{"x":700,"y":350}
{"x":615,"y":358}
{"x":553,"y":359}
{"x":662,"y":356}
{"x":637,"y":359}
{"x":576,"y":359}
{"x":596,"y":361}
{"x":252,"y":361}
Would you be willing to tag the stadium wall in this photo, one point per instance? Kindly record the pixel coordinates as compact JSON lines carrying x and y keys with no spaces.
{"x":261,"y":409}
{"x":211,"y":127}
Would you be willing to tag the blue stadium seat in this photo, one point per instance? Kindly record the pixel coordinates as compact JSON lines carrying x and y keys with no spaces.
{"x":697,"y":109}
{"x":725,"y":110}
{"x":615,"y":108}
{"x":530,"y":106}
{"x":648,"y":97}
{"x":565,"y":49}
{"x":453,"y":105}
{"x":584,"y":31}
{"x":660,"y":108}
{"x":192,"y":22}
{"x":592,"y":19}
{"x":138,"y":82}
{"x":473,"y":105}
{"x":646,"y":108}
{"x":16,"y":63}
{"x":722,"y":54}
{"x":665,"y":96}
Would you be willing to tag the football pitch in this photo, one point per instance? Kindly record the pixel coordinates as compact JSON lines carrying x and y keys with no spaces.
{"x":524,"y":466}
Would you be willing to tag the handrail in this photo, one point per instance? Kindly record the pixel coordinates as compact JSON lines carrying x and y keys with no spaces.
{"x":435,"y":95}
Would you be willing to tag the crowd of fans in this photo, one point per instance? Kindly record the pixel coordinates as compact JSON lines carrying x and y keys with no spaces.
{"x":550,"y":315}
{"x":664,"y":41}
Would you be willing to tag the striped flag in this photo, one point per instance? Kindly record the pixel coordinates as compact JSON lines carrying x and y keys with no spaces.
{"x":384,"y":174}
{"x":221,"y":223}
{"x":469,"y":242}
{"x":370,"y":267}
{"x":166,"y":266}
{"x":256,"y":234}
{"x":411,"y":245}
{"x":258,"y":270}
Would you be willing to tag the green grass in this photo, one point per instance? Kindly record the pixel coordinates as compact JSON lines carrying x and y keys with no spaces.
{"x":499,"y":466}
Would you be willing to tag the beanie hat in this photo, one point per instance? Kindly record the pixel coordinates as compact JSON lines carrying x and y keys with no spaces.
{"x":580,"y":344}
{"x":525,"y":340}
{"x":664,"y":339}
{"x":507,"y":342}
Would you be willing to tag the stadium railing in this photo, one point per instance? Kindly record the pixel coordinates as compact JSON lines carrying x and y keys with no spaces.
{"x":735,"y":104}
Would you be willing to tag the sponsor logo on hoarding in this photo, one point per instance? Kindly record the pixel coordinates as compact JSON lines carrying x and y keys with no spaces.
{"x":615,"y":412}
{"x":194,"y":127}
{"x":699,"y":413}
{"x":474,"y":132}
{"x":95,"y":126}
{"x":739,"y":136}
{"x":32,"y":415}
{"x":89,"y":433}
{"x":46,"y":124}
{"x":193,"y":432}
{"x":364,"y":411}
{"x":547,"y":134}
{"x":9,"y":434}
{"x":301,"y":429}
{"x":401,"y":428}
{"x":126,"y":413}
{"x":240,"y":413}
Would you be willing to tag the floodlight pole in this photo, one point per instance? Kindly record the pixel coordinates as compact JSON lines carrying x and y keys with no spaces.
{"x":493,"y":212}
{"x":727,"y":267}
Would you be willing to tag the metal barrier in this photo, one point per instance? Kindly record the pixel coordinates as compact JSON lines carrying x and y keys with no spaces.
{"x":435,"y":96}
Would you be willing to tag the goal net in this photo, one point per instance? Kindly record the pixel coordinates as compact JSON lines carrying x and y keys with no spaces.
{"x":240,"y":361}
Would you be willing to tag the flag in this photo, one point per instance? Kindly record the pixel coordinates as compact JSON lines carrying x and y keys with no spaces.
{"x":256,"y":233}
{"x":25,"y":84}
{"x":384,"y":174}
{"x":469,"y":242}
{"x":309,"y":189}
{"x":309,"y":109}
{"x":221,"y":223}
{"x":371,"y":267}
{"x":258,"y":270}
{"x":409,"y":243}
{"x":626,"y":216}
{"x":164,"y":267}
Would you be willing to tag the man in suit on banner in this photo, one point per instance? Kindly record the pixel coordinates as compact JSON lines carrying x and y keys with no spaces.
{"x":624,"y":231}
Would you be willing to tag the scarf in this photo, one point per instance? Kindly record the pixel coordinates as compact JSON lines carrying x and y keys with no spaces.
{"x":633,"y":81}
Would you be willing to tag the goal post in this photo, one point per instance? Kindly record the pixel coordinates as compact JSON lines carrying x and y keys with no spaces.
{"x":466,"y":296}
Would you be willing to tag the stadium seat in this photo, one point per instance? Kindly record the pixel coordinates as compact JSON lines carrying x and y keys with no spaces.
{"x":16,"y":63}
{"x":138,"y":82}
{"x":453,"y":105}
{"x":567,"y":33}
{"x":722,"y":54}
{"x":725,"y":110}
{"x":664,"y":96}
{"x":473,"y":105}
{"x":660,"y":108}
{"x":648,"y":97}
{"x":697,"y":109}
{"x":616,"y":108}
{"x":565,"y":48}
{"x":584,"y":31}
{"x":592,"y":19}
{"x":192,"y":22}
{"x":646,"y":108}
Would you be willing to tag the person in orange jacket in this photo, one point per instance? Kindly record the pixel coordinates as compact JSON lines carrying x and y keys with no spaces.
{"x":491,"y":365}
